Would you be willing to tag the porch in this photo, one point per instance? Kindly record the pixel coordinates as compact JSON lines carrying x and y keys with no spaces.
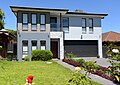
{"x":57,"y":48}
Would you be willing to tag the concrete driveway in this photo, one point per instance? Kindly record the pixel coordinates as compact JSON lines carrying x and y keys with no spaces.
{"x":100,"y":61}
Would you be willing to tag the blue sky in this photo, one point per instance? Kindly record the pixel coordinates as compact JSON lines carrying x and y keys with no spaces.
{"x":110,"y":23}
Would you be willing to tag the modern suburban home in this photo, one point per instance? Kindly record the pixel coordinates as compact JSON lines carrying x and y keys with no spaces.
{"x":58,"y":30}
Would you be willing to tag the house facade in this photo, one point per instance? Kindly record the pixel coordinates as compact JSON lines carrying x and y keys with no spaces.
{"x":58,"y":30}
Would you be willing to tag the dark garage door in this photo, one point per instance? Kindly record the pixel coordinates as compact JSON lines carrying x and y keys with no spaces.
{"x":83,"y":48}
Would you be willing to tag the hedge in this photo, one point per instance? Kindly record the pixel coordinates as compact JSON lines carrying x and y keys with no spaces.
{"x":43,"y":55}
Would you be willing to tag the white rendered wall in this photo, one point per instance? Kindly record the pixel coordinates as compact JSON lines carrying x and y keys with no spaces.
{"x":75,"y":31}
{"x":58,"y":35}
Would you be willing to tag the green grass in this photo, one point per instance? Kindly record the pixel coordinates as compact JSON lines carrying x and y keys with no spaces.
{"x":15,"y":73}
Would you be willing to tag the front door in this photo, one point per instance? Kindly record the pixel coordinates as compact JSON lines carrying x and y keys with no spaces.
{"x":54,"y":48}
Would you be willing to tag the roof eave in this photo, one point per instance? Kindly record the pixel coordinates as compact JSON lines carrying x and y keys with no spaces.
{"x":17,"y":8}
{"x":85,"y":14}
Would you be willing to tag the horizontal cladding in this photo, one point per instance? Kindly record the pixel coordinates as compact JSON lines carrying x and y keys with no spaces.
{"x":82,"y":42}
{"x":82,"y":48}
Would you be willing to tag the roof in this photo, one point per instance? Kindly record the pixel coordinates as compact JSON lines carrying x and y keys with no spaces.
{"x":36,"y":8}
{"x":111,"y":37}
{"x":4,"y":31}
{"x":85,"y":13}
{"x":64,"y":11}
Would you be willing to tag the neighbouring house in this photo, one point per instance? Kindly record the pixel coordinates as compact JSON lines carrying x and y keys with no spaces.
{"x":58,"y":30}
{"x":110,"y":37}
{"x":8,"y":44}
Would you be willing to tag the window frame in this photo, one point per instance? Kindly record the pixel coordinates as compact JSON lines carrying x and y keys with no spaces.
{"x":43,"y":45}
{"x":10,"y":47}
{"x":41,"y":23}
{"x":27,"y":52}
{"x":91,"y":27}
{"x":33,"y":23}
{"x":84,"y":27}
{"x":25,"y":23}
{"x":67,"y":23}
{"x":32,"y":44}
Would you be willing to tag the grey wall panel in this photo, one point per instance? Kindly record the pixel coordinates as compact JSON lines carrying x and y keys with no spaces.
{"x":29,"y":37}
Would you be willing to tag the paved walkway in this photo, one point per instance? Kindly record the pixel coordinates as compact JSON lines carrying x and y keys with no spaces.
{"x":92,"y":76}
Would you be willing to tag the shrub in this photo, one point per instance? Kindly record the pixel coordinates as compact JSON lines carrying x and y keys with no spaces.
{"x":81,"y":61}
{"x":70,"y":55}
{"x":27,"y":58}
{"x":43,"y":55}
{"x":91,"y":65}
{"x":81,"y":79}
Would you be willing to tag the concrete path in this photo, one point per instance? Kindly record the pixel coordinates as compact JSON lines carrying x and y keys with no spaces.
{"x":92,"y":76}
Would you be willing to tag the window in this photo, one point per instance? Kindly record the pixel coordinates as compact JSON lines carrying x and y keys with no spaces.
{"x":25,"y":22}
{"x":10,"y":48}
{"x":90,"y":25}
{"x":24,"y":48}
{"x":34,"y":45}
{"x":53,"y":24}
{"x":84,"y":30}
{"x":34,"y":22}
{"x":43,"y":45}
{"x":42,"y":23}
{"x":65,"y":23}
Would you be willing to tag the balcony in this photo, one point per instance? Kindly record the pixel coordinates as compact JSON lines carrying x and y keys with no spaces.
{"x":54,"y":27}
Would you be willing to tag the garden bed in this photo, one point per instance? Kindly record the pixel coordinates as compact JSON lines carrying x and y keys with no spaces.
{"x":100,"y":71}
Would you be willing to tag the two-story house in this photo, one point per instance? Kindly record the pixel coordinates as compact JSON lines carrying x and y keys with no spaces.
{"x":58,"y":30}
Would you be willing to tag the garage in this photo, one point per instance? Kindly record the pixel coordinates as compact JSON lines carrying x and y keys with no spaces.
{"x":82,"y":48}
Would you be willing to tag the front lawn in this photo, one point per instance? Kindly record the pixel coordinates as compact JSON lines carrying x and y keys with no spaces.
{"x":15,"y":73}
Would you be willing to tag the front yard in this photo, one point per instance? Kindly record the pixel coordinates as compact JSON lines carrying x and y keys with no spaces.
{"x":15,"y":73}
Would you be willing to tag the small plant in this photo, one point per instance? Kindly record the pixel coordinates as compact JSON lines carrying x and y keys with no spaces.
{"x":114,"y":70}
{"x":81,"y":61}
{"x":27,"y":58}
{"x":91,"y":65}
{"x":70,"y":55}
{"x":80,"y":79}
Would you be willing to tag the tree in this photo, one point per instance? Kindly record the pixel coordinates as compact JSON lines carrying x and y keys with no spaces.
{"x":2,"y":16}
{"x":12,"y":32}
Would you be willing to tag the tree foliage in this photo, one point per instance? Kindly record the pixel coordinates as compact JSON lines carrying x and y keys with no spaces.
{"x":12,"y":31}
{"x":2,"y":16}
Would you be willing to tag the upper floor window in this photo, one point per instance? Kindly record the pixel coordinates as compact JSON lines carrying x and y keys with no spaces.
{"x":34,"y":22}
{"x":25,"y":21}
{"x":91,"y":25}
{"x":65,"y":23}
{"x":53,"y":24}
{"x":84,"y":30}
{"x":42,"y":22}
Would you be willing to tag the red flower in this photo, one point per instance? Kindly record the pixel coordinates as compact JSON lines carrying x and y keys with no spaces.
{"x":30,"y":78}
